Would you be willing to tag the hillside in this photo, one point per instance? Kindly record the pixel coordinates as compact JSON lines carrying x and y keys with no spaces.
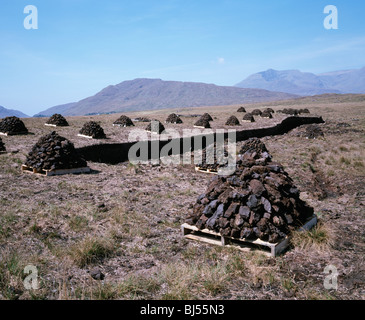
{"x":153,"y":94}
{"x":4,"y":112}
{"x":305,"y":83}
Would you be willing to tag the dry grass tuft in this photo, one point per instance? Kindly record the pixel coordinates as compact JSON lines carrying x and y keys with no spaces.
{"x":91,"y":250}
{"x":320,"y":238}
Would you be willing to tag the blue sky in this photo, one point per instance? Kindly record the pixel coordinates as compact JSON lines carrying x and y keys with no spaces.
{"x":82,"y":46}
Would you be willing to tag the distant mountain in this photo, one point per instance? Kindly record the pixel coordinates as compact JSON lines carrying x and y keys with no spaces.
{"x":153,"y":94}
{"x":305,"y":83}
{"x":9,"y":113}
{"x":347,"y":81}
{"x":61,"y":109}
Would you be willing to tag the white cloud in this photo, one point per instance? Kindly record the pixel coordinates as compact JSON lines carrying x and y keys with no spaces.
{"x":221,"y":60}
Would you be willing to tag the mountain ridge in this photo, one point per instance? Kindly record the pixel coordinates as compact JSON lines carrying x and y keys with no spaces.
{"x":152,"y":94}
{"x":4,"y":112}
{"x":307,"y":83}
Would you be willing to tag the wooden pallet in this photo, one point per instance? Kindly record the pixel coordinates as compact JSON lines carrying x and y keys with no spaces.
{"x":9,"y":152}
{"x":57,"y":172}
{"x":201,"y":127}
{"x":269,"y":249}
{"x":120,"y":125}
{"x":211,"y":171}
{"x":12,"y":133}
{"x":84,"y":136}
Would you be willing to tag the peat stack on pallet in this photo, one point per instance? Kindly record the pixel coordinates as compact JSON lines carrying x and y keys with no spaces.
{"x":54,"y":155}
{"x":256,"y":112}
{"x":92,"y":130}
{"x":57,"y":120}
{"x":290,"y":111}
{"x":206,"y":116}
{"x":266,"y":114}
{"x":232,"y":121}
{"x":141,"y":119}
{"x":123,"y":121}
{"x":248,"y":117}
{"x":174,"y":119}
{"x":155,"y":126}
{"x":202,"y":123}
{"x":2,"y":146}
{"x":258,"y":201}
{"x":212,"y":159}
{"x":269,"y":110}
{"x":12,"y":126}
{"x":241,"y":109}
{"x":313,"y":131}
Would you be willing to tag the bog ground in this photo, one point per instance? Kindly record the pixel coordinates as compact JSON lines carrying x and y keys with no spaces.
{"x":115,"y":233}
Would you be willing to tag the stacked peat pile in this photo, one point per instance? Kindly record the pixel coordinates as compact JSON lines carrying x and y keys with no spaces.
{"x":2,"y":146}
{"x":266,"y":114}
{"x":248,"y":117}
{"x":155,"y":126}
{"x":57,"y":120}
{"x":141,"y":119}
{"x":313,"y":131}
{"x":256,"y":112}
{"x":290,"y":111}
{"x":232,"y":121}
{"x":124,"y":121}
{"x":206,"y":116}
{"x":173,"y":118}
{"x":213,"y":153}
{"x":202,"y":123}
{"x":93,"y":129}
{"x":12,"y":125}
{"x":269,"y":110}
{"x":303,"y":111}
{"x":241,"y":109}
{"x":254,"y":145}
{"x":53,"y":152}
{"x":258,"y":201}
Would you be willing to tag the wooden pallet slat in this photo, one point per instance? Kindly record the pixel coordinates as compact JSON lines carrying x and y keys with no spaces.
{"x":12,"y":133}
{"x":84,"y":136}
{"x":212,"y":237}
{"x":50,"y":125}
{"x":199,"y":169}
{"x":201,"y":127}
{"x":57,"y":172}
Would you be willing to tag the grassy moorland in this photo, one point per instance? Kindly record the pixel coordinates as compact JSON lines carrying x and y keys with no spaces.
{"x":124,"y":220}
